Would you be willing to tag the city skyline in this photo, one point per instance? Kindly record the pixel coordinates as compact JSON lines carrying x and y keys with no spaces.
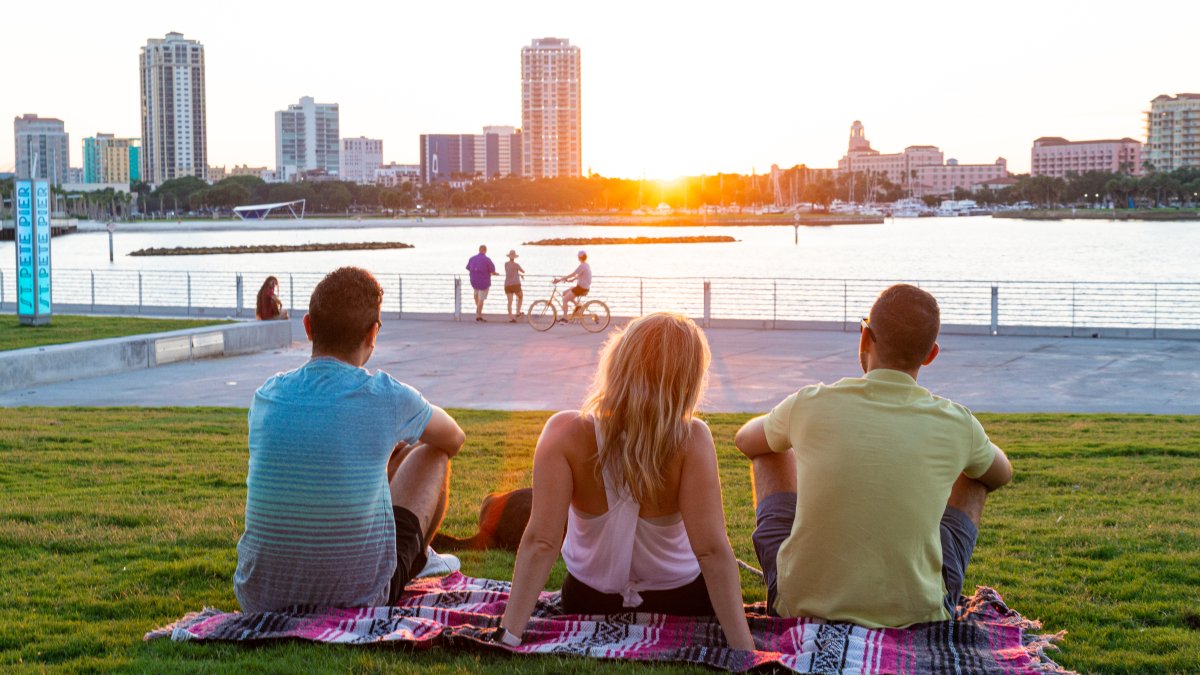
{"x":670,"y":89}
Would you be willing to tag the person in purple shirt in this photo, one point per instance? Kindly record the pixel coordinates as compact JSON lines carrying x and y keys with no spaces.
{"x":482,"y":270}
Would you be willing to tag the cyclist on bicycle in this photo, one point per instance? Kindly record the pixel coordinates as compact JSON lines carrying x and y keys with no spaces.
{"x":582,"y":276}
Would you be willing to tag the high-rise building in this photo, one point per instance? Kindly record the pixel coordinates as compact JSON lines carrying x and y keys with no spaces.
{"x":108,"y":159}
{"x":493,"y":154}
{"x":447,"y":157}
{"x":1054,"y":156}
{"x":550,"y":109}
{"x":42,"y":149}
{"x":1172,"y":133}
{"x":307,"y":139}
{"x":498,"y":152}
{"x":360,"y":158}
{"x":174,"y":127}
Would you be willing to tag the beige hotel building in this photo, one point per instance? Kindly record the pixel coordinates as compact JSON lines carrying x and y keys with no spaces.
{"x":1057,"y":157}
{"x":920,"y":169}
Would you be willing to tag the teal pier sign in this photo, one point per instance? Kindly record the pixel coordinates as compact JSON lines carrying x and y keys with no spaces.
{"x":32,"y":238}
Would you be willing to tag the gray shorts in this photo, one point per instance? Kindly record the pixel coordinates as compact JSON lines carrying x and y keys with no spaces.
{"x":773,"y":524}
{"x":481,"y":294}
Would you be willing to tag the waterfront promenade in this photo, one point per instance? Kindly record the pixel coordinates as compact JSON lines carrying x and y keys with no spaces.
{"x":511,"y":367}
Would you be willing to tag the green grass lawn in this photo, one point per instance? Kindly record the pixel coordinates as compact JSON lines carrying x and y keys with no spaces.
{"x":64,"y":329}
{"x":117,"y":521}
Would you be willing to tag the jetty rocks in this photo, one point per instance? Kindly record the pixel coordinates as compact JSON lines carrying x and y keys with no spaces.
{"x":600,"y":241}
{"x":272,"y":248}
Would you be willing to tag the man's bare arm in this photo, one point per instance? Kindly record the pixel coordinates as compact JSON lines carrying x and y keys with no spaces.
{"x":999,"y":473}
{"x":443,"y":433}
{"x":751,"y":439}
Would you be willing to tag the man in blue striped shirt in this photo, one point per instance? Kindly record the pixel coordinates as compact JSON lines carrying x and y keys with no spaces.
{"x":349,"y":471}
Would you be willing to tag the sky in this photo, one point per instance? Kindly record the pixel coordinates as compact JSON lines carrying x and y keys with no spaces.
{"x":668,"y":88}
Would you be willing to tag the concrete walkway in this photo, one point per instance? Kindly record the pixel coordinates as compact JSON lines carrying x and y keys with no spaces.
{"x":511,"y":367}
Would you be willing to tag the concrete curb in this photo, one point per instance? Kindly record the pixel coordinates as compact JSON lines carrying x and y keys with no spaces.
{"x":22,"y":368}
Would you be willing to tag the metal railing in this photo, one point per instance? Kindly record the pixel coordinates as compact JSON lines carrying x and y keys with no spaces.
{"x":1011,"y":307}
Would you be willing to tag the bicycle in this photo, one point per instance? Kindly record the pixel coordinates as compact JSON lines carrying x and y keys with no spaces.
{"x":593,"y":315}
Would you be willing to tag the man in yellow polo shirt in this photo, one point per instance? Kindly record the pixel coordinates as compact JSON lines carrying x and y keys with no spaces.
{"x":869,"y":491}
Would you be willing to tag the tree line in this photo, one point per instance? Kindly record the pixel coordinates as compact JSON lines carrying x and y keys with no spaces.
{"x":508,"y":194}
{"x":789,"y":187}
{"x":1178,"y":188}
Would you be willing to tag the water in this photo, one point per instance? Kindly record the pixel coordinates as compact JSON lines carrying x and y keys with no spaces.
{"x":974,"y":248}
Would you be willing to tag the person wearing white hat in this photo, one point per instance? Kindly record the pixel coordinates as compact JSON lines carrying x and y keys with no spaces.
{"x":582,"y":276}
{"x":513,"y":273}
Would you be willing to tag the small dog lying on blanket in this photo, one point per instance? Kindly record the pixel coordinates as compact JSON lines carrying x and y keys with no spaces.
{"x":502,"y":521}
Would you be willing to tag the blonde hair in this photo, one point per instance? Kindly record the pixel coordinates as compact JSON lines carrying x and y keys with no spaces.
{"x":646,"y":390}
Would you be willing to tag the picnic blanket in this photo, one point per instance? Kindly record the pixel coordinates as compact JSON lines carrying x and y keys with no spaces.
{"x":463,"y":611}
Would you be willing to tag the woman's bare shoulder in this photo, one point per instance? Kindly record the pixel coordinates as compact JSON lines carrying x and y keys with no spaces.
{"x":699,"y":440}
{"x":566,"y":428}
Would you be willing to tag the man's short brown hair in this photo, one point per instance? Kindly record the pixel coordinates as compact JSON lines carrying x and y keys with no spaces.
{"x":905,"y":321}
{"x":343,"y":308}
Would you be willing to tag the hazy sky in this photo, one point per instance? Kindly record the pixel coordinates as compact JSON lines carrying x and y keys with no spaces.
{"x":669,"y":88}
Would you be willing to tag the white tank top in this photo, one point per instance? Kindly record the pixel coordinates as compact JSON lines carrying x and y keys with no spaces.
{"x":618,"y":552}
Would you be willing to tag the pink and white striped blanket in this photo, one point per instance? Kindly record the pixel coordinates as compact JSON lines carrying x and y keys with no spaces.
{"x":458,"y":610}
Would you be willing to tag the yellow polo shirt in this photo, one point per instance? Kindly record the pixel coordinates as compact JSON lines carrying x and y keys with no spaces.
{"x":876,"y":457}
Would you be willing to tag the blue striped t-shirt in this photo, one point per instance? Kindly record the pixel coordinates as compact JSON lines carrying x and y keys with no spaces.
{"x":319,"y":525}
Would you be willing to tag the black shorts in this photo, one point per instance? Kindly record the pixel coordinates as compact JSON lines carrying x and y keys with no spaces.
{"x":410,"y":551}
{"x":579,"y":291}
{"x":773,"y":524}
{"x":687,"y":600}
{"x":513,"y":289}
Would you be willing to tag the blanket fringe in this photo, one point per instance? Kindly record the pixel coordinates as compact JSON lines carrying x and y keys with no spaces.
{"x":184,"y":621}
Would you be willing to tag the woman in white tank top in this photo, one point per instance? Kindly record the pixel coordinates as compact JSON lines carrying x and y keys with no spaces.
{"x":632,"y":480}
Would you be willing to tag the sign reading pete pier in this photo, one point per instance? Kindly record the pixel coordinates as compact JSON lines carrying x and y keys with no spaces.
{"x":32,"y":239}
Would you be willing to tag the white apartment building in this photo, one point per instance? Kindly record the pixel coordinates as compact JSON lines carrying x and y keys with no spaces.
{"x":307,"y":139}
{"x":392,"y":175}
{"x":42,"y":149}
{"x":1172,"y":132}
{"x":360,"y":158}
{"x":174,"y":135}
{"x":1057,"y":157}
{"x":550,"y":109}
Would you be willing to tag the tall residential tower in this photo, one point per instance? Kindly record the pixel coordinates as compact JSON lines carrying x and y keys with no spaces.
{"x":1172,"y":132}
{"x":42,"y":148}
{"x":550,"y":109}
{"x":174,"y":135}
{"x":307,"y":139}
